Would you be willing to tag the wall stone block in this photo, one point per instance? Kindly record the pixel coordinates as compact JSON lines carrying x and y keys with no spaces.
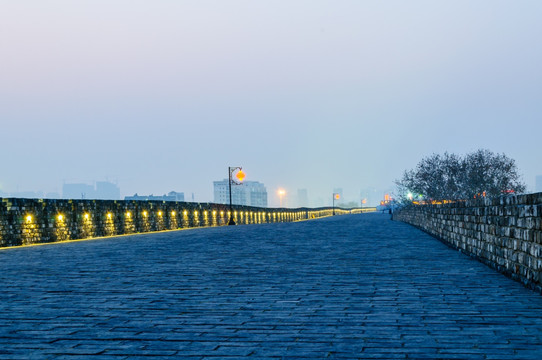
{"x":505,"y":233}
{"x":33,"y":221}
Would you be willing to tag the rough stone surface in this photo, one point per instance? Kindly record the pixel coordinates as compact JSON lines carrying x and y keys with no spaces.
{"x":344,"y":287}
{"x":504,"y":233}
{"x":32,"y":221}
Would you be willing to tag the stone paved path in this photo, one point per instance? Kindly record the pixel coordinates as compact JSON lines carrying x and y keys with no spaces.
{"x":357,"y":286}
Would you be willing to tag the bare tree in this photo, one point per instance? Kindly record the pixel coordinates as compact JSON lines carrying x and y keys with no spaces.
{"x":492,"y":174}
{"x":449,"y":176}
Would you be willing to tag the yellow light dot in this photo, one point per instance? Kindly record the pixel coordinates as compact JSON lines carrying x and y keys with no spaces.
{"x":159,"y":213}
{"x":196,"y":213}
{"x":173,"y":213}
{"x":128,"y":214}
{"x":222,"y":213}
{"x":144,"y":213}
{"x":109,"y":215}
{"x":214,"y":212}
{"x":185,"y":213}
{"x":29,"y":218}
{"x":86,"y":216}
{"x":60,"y":217}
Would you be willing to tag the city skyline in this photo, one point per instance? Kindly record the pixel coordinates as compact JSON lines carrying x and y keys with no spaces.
{"x":309,"y":95}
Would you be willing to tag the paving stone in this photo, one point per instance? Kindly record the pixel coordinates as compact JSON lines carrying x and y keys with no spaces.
{"x":345,"y":287}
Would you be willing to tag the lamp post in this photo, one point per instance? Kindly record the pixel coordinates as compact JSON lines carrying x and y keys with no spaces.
{"x":335,"y":196}
{"x":240,"y":176}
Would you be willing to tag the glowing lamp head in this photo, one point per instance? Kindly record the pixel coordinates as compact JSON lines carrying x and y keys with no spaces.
{"x":29,"y":218}
{"x":60,"y":217}
{"x":240,"y":176}
{"x":337,"y":196}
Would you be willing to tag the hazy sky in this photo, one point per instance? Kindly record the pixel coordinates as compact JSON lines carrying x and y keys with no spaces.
{"x":164,"y":95}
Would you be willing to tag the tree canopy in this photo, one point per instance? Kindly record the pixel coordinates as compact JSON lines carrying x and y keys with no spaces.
{"x":454,"y":177}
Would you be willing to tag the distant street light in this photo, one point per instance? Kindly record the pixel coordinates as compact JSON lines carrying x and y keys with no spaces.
{"x":240,"y":177}
{"x":336,"y":196}
{"x":281,"y":193}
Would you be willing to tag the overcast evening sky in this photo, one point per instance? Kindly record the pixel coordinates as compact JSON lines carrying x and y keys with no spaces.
{"x":164,"y":95}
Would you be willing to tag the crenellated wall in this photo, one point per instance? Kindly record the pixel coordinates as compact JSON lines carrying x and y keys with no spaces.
{"x":504,"y":233}
{"x":30,"y":221}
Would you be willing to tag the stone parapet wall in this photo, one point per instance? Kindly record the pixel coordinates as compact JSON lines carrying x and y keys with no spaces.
{"x":31,"y":221}
{"x":504,"y":233}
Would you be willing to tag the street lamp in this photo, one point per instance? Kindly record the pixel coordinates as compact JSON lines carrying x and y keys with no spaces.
{"x":336,"y":196}
{"x":281,"y":193}
{"x":240,"y":177}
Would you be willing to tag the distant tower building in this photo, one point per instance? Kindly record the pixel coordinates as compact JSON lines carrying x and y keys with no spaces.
{"x":371,"y":195}
{"x":175,"y":196}
{"x":104,"y":191}
{"x":107,"y":191}
{"x":538,"y":185}
{"x":302,"y":198}
{"x":250,"y":193}
{"x":78,"y":191}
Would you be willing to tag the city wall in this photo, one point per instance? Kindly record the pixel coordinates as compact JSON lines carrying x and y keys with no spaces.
{"x":32,"y":221}
{"x":504,"y":233}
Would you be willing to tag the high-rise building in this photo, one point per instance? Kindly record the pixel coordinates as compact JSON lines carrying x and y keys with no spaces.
{"x":302,"y":198}
{"x":78,"y":191}
{"x":250,"y":193}
{"x":103,"y":191}
{"x":107,"y":191}
{"x":371,"y":196}
{"x":538,"y":183}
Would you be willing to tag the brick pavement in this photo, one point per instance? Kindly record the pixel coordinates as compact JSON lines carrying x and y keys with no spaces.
{"x":356,"y":286}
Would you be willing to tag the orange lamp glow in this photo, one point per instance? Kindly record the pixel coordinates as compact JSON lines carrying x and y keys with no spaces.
{"x":240,"y":175}
{"x":337,"y":196}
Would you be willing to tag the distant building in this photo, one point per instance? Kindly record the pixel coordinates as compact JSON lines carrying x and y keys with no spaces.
{"x":171,"y":196}
{"x":371,"y":196}
{"x":302,"y":198}
{"x":78,"y":191}
{"x":103,"y":190}
{"x":250,"y":193}
{"x":107,"y":191}
{"x":538,"y":185}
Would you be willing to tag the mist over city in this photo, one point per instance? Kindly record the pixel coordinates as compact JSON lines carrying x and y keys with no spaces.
{"x":312,"y":97}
